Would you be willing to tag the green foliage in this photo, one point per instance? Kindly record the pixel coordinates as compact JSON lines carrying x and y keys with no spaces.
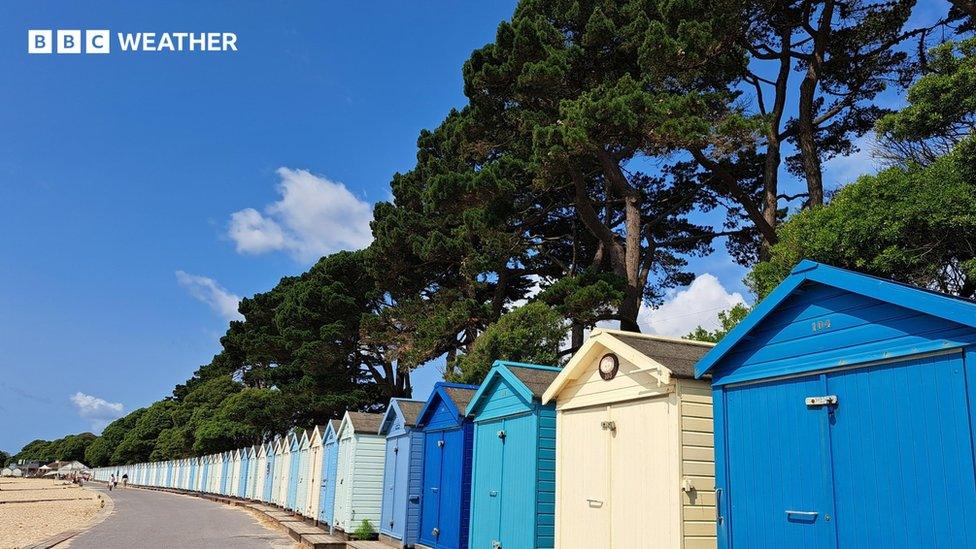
{"x":38,"y":449}
{"x":365,"y":530}
{"x":915,"y":225}
{"x":5,"y":458}
{"x":727,"y":319}
{"x":531,"y":333}
{"x":69,"y":448}
{"x":941,"y":107}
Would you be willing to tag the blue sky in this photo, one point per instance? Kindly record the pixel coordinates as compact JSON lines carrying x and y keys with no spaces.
{"x":144,"y":192}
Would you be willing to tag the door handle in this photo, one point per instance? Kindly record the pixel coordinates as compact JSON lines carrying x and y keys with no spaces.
{"x":594,"y":502}
{"x":804,"y":514}
{"x":718,"y":506}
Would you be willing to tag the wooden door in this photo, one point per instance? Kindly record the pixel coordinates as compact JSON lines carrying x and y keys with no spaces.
{"x":583,"y":518}
{"x":643,"y":494}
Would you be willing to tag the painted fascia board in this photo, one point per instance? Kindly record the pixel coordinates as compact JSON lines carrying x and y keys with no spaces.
{"x":606,"y":340}
{"x":945,"y":307}
{"x":500,"y":373}
{"x":306,"y":441}
{"x":389,"y":416}
{"x":330,"y":433}
{"x":346,"y":421}
{"x":315,"y":439}
{"x":440,"y":394}
{"x":570,"y":371}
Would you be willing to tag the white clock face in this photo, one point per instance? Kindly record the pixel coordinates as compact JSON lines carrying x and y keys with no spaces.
{"x":608,"y":366}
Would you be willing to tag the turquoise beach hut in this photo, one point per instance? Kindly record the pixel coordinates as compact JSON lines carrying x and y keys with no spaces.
{"x":514,"y":460}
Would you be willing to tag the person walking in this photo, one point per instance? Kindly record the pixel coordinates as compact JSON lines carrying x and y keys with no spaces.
{"x":111,"y":482}
{"x":125,"y":480}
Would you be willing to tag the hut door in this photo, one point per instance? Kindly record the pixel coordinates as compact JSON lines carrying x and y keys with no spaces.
{"x":903,"y":456}
{"x":430,"y":516}
{"x":779,"y":488}
{"x":487,"y":497}
{"x":584,"y":498}
{"x":637,"y":497}
{"x":518,"y":486}
{"x":389,"y":487}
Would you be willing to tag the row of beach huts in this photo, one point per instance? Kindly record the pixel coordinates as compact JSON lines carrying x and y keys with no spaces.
{"x":839,"y":413}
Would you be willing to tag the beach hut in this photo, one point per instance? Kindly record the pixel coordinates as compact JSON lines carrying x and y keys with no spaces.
{"x":330,"y":464}
{"x":300,"y":504}
{"x":294,"y":472}
{"x":843,"y":410}
{"x":235,"y":472}
{"x":359,"y":473}
{"x":313,"y":492}
{"x":252,"y":476}
{"x":226,"y":472}
{"x":403,"y":472}
{"x":245,"y":472}
{"x":514,"y":458}
{"x":633,"y":445}
{"x":205,"y":474}
{"x":260,"y":471}
{"x":269,"y":471}
{"x":282,"y":462}
{"x":448,"y":437}
{"x":168,"y":482}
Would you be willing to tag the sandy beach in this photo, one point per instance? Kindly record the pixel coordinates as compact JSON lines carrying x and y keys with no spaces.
{"x":34,"y":509}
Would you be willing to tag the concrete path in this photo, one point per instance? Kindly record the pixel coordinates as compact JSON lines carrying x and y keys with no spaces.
{"x":151,"y":519}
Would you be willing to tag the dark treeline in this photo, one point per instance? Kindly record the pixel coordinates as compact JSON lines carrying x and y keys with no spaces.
{"x":569,"y":191}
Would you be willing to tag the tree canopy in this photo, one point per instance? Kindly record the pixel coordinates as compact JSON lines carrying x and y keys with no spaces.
{"x":603,"y":146}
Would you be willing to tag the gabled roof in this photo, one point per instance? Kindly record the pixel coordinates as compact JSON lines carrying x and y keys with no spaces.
{"x":662,"y":357}
{"x":362,"y":422}
{"x":455,"y":395}
{"x":960,"y":311}
{"x":408,"y":409}
{"x":305,"y":440}
{"x":530,"y":381}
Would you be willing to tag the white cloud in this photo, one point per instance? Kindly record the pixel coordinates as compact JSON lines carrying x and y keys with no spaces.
{"x":213,"y":294}
{"x":314,"y":217}
{"x":841,"y":170}
{"x":98,"y":411}
{"x":685,"y":310}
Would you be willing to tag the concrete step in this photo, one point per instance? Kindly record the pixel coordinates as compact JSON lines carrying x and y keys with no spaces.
{"x":322,"y":541}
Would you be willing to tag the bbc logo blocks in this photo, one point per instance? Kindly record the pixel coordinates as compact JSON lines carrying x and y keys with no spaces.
{"x":68,"y":41}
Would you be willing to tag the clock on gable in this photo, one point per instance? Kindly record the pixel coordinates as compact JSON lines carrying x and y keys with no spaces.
{"x":609,"y":365}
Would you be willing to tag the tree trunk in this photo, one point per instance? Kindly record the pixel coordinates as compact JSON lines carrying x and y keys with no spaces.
{"x":805,"y":119}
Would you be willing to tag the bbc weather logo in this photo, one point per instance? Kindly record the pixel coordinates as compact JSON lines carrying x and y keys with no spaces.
{"x":68,"y":41}
{"x":100,"y":41}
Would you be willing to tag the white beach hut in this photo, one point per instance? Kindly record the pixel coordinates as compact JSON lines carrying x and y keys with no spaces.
{"x":359,"y":489}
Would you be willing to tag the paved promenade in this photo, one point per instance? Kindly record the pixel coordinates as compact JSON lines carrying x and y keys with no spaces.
{"x":151,"y":519}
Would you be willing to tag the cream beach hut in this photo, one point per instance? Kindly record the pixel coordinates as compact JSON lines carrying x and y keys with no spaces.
{"x":314,"y":491}
{"x":359,"y":487}
{"x":283,"y":456}
{"x":634,"y":446}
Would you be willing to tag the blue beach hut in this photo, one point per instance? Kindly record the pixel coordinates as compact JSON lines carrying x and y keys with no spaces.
{"x":403,"y":473}
{"x":269,"y":467}
{"x":194,"y":464}
{"x":245,"y":461}
{"x":294,"y":444}
{"x":843,"y":409}
{"x":226,"y":460}
{"x":330,"y":464}
{"x":514,"y":463}
{"x":448,"y":437}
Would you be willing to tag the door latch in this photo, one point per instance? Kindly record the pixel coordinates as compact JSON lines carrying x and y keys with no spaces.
{"x":495,"y":544}
{"x":608,"y":426}
{"x":828,"y":400}
{"x":440,"y":443}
